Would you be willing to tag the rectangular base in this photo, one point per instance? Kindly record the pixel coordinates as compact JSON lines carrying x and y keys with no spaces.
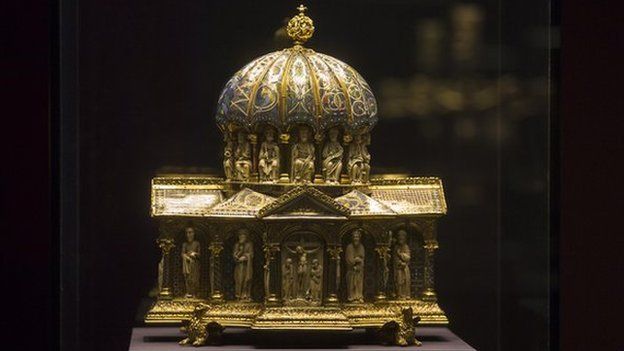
{"x":167,"y":338}
{"x":259,"y":316}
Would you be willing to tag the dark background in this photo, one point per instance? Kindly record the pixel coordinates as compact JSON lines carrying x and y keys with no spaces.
{"x":590,"y":244}
{"x":149,"y":75}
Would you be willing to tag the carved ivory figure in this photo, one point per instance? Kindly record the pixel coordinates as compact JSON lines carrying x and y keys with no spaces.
{"x":359,"y":160}
{"x":297,"y":270}
{"x":303,"y":274}
{"x":243,"y":271}
{"x":228,"y":160}
{"x":354,"y":257}
{"x":302,"y":160}
{"x":332,"y":157}
{"x":288,"y":279}
{"x":402,"y":257}
{"x":242,"y":157}
{"x":190,"y":263}
{"x":268,"y":164}
{"x":316,"y":274}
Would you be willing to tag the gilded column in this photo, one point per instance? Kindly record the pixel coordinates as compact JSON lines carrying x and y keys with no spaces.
{"x":284,"y":140}
{"x":166,"y":244}
{"x":253,"y":139}
{"x":216,"y":284}
{"x":275,"y":281}
{"x":334,"y":286}
{"x":269,"y":266}
{"x":318,"y":165}
{"x":344,"y":176}
{"x":429,"y":279}
{"x":383,"y":251}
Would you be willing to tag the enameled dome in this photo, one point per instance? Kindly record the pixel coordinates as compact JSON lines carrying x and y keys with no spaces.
{"x":297,"y":86}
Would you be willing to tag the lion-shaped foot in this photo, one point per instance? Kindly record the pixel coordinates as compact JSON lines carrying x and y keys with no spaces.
{"x":195,"y":328}
{"x":199,"y":342}
{"x":401,"y":332}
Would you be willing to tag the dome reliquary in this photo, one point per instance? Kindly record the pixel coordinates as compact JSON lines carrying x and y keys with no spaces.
{"x":297,"y":234}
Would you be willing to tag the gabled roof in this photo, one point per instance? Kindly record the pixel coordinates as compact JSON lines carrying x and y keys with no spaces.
{"x":410,"y":196}
{"x":245,"y":203}
{"x":185,"y":195}
{"x":204,"y":196}
{"x":362,"y":205}
{"x":304,"y":200}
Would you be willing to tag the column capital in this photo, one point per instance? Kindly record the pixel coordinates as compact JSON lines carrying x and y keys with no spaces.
{"x":215,"y":248}
{"x":284,"y":138}
{"x":253,"y":138}
{"x":270,"y":249}
{"x":431,"y":244}
{"x":334,"y":252}
{"x":382,"y":250}
{"x":165,"y":244}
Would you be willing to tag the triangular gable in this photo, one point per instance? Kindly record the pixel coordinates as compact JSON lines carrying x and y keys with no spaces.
{"x":245,"y":203}
{"x":361,"y":204}
{"x":304,"y":201}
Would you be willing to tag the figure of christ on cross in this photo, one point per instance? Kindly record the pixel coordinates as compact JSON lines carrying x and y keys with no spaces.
{"x":301,"y":285}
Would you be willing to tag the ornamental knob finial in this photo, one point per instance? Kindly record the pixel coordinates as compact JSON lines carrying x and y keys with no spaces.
{"x":301,"y":27}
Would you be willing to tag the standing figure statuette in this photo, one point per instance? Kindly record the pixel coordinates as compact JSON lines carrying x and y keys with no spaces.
{"x":302,"y":160}
{"x":359,"y":160}
{"x":268,"y":164}
{"x":303,"y":275}
{"x":288,"y":279}
{"x":190,"y":263}
{"x":402,"y":257}
{"x":243,"y":271}
{"x":332,"y":158}
{"x":228,"y":158}
{"x":316,"y":276}
{"x":242,"y":157}
{"x":354,"y":257}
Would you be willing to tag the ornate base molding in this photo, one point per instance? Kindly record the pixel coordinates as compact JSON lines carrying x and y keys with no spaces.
{"x":302,"y":318}
{"x":257,"y":316}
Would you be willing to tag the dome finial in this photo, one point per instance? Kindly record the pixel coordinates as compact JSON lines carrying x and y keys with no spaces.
{"x":301,"y":27}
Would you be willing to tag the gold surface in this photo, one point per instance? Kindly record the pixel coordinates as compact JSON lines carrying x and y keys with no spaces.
{"x":410,"y":195}
{"x":301,"y":27}
{"x":360,"y":204}
{"x":252,"y":233}
{"x":300,"y":192}
{"x":259,"y":316}
{"x":207,"y":197}
{"x":245,"y":203}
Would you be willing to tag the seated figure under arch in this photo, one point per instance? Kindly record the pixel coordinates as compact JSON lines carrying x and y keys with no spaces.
{"x":359,"y":160}
{"x":242,"y":157}
{"x":269,"y":158}
{"x":303,"y":157}
{"x":332,"y":157}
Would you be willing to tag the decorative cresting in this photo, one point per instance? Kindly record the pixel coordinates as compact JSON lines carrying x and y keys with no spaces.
{"x":297,"y":86}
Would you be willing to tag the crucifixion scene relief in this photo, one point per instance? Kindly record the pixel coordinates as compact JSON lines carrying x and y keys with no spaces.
{"x":302,"y":269}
